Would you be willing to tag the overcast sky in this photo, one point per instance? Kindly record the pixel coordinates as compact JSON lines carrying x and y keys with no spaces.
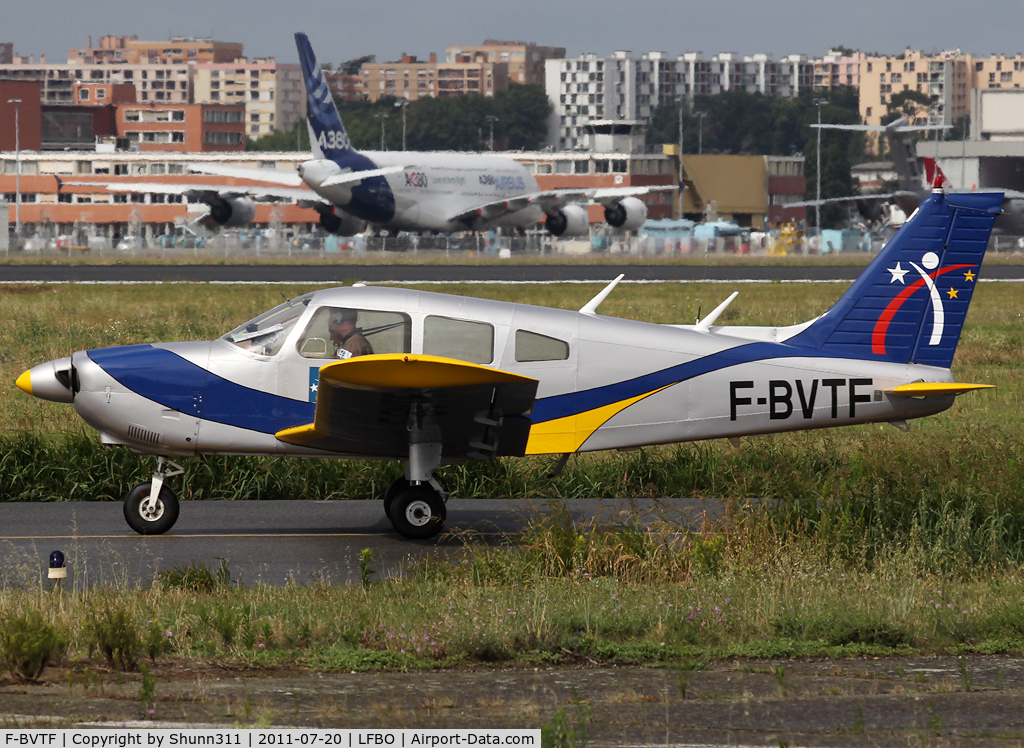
{"x":341,"y":30}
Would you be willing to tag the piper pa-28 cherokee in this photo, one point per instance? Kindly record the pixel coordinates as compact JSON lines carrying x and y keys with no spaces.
{"x":404,"y":190}
{"x":426,"y":378}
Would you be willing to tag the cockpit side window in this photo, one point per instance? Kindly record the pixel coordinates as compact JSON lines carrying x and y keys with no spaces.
{"x":267,"y":333}
{"x":344,"y":332}
{"x":532,"y":346}
{"x":458,"y":338}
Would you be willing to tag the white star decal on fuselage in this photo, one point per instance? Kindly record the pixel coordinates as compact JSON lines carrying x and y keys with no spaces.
{"x":897,"y":274}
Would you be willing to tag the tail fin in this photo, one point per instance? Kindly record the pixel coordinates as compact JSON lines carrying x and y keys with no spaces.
{"x":327,"y":133}
{"x":933,"y":174}
{"x":909,"y":305}
{"x":904,"y":159}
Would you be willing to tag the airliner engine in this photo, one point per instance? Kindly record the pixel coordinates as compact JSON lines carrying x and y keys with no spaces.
{"x":628,"y":214}
{"x":232,"y":211}
{"x":339,"y":222}
{"x":569,"y":221}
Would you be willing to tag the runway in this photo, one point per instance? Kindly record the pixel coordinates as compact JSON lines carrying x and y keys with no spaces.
{"x":346,"y":274}
{"x":274,"y":542}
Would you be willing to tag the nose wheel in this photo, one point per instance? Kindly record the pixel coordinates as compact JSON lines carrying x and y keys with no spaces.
{"x":151,"y":508}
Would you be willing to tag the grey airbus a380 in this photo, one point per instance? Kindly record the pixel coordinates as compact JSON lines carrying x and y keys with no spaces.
{"x":440,"y":191}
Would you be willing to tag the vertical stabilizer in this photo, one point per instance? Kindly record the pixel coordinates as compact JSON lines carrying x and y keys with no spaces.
{"x":328,"y":138}
{"x":909,"y":305}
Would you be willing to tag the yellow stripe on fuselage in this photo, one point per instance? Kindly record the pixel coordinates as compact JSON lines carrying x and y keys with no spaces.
{"x":568,"y":434}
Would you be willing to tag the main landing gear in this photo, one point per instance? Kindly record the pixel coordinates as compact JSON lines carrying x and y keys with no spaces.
{"x":415,"y":503}
{"x":151,"y":508}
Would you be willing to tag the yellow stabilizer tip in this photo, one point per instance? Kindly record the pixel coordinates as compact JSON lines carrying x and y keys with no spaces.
{"x":24,"y":382}
{"x":937,"y":388}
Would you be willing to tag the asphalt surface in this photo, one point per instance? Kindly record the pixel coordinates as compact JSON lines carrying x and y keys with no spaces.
{"x":271,"y":541}
{"x":326,"y":274}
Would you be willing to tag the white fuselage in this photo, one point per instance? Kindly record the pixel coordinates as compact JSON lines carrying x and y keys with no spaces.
{"x":434,"y":188}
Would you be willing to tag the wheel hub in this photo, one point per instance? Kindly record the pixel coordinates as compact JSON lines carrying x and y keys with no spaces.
{"x":418,"y":513}
{"x":151,"y":509}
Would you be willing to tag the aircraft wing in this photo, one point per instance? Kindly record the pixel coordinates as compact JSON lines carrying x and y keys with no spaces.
{"x":350,"y":177}
{"x":826,"y":200}
{"x":196,"y":192}
{"x":374,"y":406}
{"x":277,"y":176}
{"x":550,"y":199}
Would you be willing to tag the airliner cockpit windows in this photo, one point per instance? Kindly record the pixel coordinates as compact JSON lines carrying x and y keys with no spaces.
{"x":532,"y":346}
{"x":458,"y":338}
{"x":344,"y":332}
{"x":266,"y":334}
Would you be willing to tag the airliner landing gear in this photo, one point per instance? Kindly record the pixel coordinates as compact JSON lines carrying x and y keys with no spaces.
{"x":151,"y":508}
{"x":415,"y":503}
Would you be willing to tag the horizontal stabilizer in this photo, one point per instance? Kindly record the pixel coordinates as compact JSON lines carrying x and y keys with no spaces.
{"x":923,"y":389}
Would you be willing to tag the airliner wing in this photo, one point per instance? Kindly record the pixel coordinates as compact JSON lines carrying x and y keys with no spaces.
{"x":277,"y":176}
{"x":197,"y":191}
{"x":376,"y":405}
{"x":351,"y":177}
{"x":550,"y":199}
{"x":827,"y":200}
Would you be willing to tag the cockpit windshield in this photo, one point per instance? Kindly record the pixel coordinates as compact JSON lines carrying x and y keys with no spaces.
{"x":266,"y":334}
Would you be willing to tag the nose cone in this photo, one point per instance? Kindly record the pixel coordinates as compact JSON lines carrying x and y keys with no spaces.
{"x":49,"y":381}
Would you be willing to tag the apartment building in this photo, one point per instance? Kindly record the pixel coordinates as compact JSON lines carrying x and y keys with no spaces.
{"x":836,"y":69}
{"x":272,"y":92}
{"x":946,"y":77}
{"x":347,"y":87}
{"x":129,"y":49}
{"x":192,"y":128}
{"x":622,"y":87}
{"x":6,"y":53}
{"x":154,"y":83}
{"x":525,"y":59}
{"x":997,"y":71}
{"x":413,"y":79}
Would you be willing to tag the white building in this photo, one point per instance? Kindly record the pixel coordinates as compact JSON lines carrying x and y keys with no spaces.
{"x":622,"y":87}
{"x":273,"y":93}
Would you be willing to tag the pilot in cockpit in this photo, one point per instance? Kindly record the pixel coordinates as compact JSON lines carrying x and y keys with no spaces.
{"x":346,"y":336}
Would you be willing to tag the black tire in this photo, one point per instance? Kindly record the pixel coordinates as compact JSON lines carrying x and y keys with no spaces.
{"x":147,"y":519}
{"x":417,"y":512}
{"x":398,"y":484}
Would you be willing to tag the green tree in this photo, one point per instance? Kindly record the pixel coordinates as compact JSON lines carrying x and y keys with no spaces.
{"x":296,"y":139}
{"x":910,"y":104}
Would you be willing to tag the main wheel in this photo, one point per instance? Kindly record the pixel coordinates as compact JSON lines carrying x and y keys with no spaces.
{"x":147,"y":515}
{"x":417,"y":512}
{"x":398,"y":484}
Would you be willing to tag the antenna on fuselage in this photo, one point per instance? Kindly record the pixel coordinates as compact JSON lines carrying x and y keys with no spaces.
{"x":705,"y":324}
{"x":591,"y":306}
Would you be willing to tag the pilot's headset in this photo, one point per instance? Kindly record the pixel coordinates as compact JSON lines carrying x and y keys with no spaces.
{"x":344,"y":315}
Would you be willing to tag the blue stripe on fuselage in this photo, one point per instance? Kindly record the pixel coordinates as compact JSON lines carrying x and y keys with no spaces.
{"x":174,"y":382}
{"x":167,"y":378}
{"x":573,"y":403}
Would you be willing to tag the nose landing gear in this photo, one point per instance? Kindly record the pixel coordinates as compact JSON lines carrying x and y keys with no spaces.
{"x":151,"y":508}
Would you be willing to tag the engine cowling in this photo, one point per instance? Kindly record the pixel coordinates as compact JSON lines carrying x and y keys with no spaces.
{"x":232,"y":211}
{"x":627,"y":214}
{"x":340,"y":223}
{"x":571,"y":220}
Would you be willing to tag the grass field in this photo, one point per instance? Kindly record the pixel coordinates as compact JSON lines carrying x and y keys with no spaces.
{"x":879,"y":541}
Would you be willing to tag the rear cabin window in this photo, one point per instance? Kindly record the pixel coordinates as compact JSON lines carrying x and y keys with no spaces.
{"x":458,"y":338}
{"x":532,"y":346}
{"x":343,"y":332}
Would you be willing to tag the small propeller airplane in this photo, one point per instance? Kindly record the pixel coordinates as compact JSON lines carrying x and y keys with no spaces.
{"x":386,"y":373}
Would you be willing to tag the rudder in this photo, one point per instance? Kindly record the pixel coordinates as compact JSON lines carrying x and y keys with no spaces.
{"x":910,"y":304}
